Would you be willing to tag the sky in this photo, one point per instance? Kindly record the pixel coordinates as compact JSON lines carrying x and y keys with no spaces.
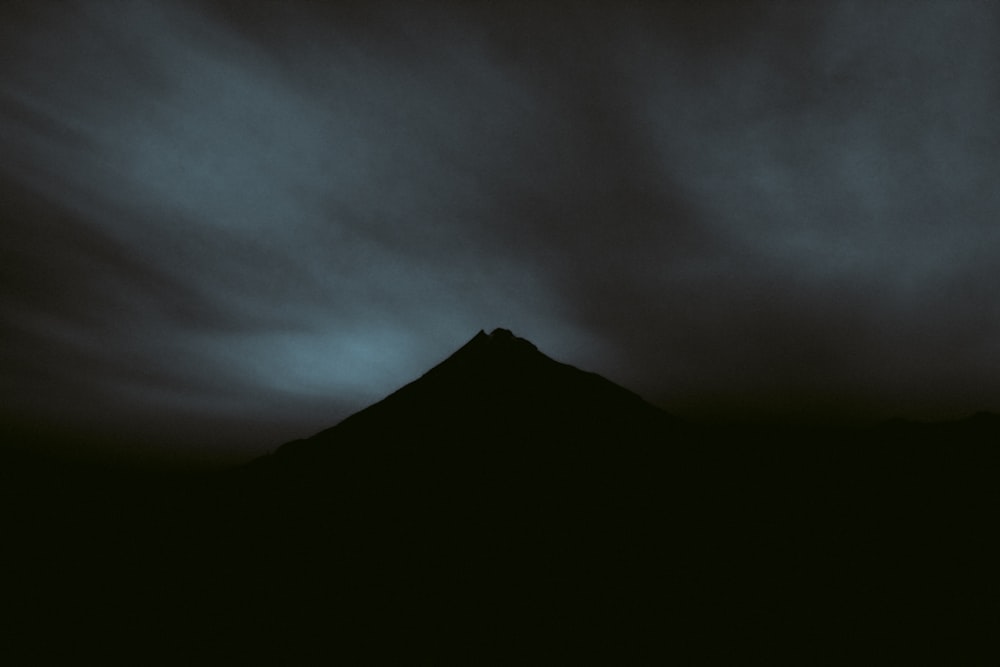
{"x":226,"y":225}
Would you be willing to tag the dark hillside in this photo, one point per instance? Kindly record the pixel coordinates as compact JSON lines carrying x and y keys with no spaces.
{"x":508,"y":508}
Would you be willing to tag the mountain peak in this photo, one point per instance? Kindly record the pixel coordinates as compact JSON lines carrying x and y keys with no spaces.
{"x":506,"y":337}
{"x":497,"y":343}
{"x":500,"y":387}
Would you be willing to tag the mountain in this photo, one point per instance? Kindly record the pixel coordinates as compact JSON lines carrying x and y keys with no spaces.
{"x":509,"y":500}
{"x":501,"y":493}
{"x":496,"y":391}
{"x":508,"y":508}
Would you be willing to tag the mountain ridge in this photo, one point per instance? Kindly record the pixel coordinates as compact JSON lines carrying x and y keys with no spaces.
{"x":498,"y":385}
{"x":503,"y":501}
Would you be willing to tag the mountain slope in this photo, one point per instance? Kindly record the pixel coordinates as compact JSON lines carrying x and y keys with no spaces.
{"x":506,"y":494}
{"x":500,"y":386}
{"x":495,"y":488}
{"x":508,"y":509}
{"x":498,"y":431}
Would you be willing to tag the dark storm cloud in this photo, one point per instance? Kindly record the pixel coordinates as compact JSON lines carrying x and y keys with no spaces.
{"x":229,"y":209}
{"x":848,"y":167}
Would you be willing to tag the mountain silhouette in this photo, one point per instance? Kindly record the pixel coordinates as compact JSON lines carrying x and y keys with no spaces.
{"x":508,"y":508}
{"x":497,"y":389}
{"x":513,"y":491}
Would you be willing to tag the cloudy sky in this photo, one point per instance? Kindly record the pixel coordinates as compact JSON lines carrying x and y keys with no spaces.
{"x":226,"y":225}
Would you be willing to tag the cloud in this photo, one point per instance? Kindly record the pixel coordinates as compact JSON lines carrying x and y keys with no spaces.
{"x":221,"y":209}
{"x":184,"y":194}
{"x":843,"y":173}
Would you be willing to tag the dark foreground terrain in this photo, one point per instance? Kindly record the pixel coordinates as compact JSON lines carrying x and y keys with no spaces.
{"x":505,"y":508}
